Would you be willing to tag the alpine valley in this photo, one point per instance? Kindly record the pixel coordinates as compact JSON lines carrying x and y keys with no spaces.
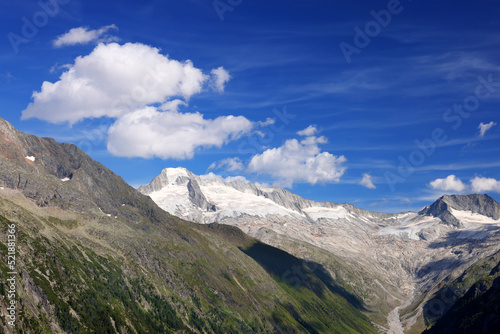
{"x":191,"y":254}
{"x":396,"y":264}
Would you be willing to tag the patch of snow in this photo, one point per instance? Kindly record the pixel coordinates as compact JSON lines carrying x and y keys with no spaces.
{"x":2,"y":188}
{"x":108,"y":214}
{"x":30,"y":158}
{"x":470,"y":219}
{"x":317,"y":213}
{"x":123,"y":204}
{"x":66,"y":179}
{"x":233,"y":203}
{"x":174,"y":173}
{"x":174,"y":199}
{"x":410,"y":228}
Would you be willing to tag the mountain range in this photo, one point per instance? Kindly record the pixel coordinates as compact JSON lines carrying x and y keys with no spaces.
{"x":394,"y":262}
{"x":197,"y":254}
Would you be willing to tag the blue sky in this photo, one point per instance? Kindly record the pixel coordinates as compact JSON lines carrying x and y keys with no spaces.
{"x":383,"y":104}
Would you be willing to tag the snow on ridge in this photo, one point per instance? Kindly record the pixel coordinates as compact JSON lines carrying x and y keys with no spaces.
{"x":468,"y":218}
{"x":174,"y":173}
{"x":232,"y":202}
{"x":410,"y":228}
{"x":30,"y":158}
{"x":317,"y":213}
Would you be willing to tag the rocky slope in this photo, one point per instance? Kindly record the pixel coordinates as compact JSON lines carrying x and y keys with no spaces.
{"x":93,"y":255}
{"x":395,"y":262}
{"x":470,"y":303}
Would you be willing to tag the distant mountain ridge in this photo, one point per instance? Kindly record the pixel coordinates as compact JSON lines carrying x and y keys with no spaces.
{"x":182,"y":179}
{"x":399,"y":257}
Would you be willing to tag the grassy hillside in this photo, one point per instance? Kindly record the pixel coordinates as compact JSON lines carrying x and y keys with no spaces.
{"x":91,"y":273}
{"x":94,"y":255}
{"x":473,"y":299}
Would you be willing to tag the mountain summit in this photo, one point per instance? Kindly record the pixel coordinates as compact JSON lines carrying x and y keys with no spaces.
{"x":446,"y":205}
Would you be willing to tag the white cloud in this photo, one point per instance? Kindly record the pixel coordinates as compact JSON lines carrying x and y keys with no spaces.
{"x":219,"y":79}
{"x":82,"y":35}
{"x":150,"y":133}
{"x":212,"y":176}
{"x":112,"y":81}
{"x":483,"y":184}
{"x":311,"y":130}
{"x":450,"y":183}
{"x":485,"y":127}
{"x":267,"y":122}
{"x":229,"y":164}
{"x":172,"y":105}
{"x":299,"y":162}
{"x":367,"y":181}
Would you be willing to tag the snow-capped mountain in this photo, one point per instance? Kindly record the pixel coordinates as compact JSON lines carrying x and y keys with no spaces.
{"x":405,"y":255}
{"x":209,"y":199}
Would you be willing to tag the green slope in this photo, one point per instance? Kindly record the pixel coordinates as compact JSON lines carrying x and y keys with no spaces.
{"x":474,"y":300}
{"x":96,"y":256}
{"x":90,"y":273}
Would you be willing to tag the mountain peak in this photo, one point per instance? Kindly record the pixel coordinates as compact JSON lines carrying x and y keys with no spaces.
{"x":476,"y":203}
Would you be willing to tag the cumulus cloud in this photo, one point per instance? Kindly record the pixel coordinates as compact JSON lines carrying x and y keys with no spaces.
{"x":311,"y":130}
{"x":112,"y":81}
{"x":299,"y":161}
{"x":477,"y":185}
{"x":450,"y":183}
{"x":485,"y":127}
{"x":212,"y":176}
{"x":148,"y":133}
{"x":229,"y":164}
{"x":82,"y":35}
{"x":172,"y":105}
{"x":483,"y":184}
{"x":219,"y":79}
{"x":367,"y":181}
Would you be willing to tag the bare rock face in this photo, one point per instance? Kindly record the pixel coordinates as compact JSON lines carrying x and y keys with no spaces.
{"x":479,"y":204}
{"x":62,"y":175}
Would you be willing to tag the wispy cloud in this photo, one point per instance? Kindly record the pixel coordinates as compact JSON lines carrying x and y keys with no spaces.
{"x":367,"y":182}
{"x":83,"y":35}
{"x":485,"y":127}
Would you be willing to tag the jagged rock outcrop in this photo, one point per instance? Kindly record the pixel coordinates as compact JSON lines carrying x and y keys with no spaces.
{"x":480,"y":204}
